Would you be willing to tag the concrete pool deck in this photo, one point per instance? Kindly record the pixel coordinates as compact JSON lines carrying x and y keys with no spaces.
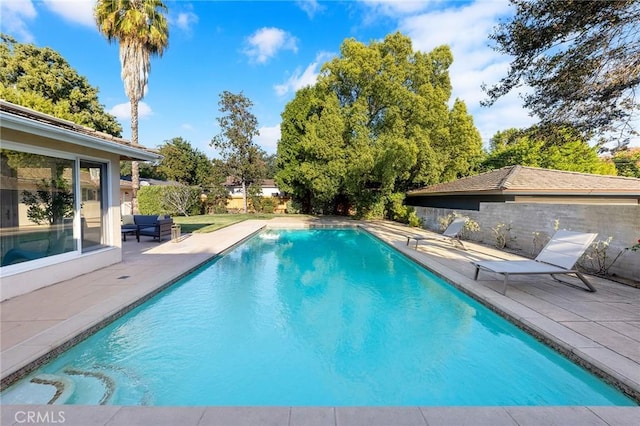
{"x":601,"y":330}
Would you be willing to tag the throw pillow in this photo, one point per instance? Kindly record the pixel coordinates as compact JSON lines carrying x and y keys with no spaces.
{"x":127,"y":219}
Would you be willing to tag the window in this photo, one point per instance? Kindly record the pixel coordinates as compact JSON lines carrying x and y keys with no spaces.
{"x":37,"y":193}
{"x":41,"y":198}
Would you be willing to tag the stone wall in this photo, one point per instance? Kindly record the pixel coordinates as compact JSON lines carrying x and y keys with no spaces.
{"x":620,"y":222}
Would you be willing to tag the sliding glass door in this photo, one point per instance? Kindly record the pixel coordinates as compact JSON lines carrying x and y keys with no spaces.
{"x":93,"y":211}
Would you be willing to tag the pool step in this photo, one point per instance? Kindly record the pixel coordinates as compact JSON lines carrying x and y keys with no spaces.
{"x":70,"y":385}
{"x":92,"y":387}
{"x":95,"y":385}
{"x":41,"y":389}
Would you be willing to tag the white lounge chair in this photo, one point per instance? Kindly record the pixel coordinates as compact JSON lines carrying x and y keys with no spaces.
{"x":452,"y":233}
{"x":556,"y":258}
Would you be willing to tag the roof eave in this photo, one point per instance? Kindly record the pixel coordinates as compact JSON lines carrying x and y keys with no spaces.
{"x":47,"y":130}
{"x":585,"y":192}
{"x":418,"y":193}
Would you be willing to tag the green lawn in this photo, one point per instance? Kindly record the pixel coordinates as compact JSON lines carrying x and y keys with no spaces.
{"x":211,"y":222}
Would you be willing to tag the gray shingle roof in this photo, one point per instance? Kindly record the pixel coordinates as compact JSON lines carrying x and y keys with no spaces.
{"x":533,"y":180}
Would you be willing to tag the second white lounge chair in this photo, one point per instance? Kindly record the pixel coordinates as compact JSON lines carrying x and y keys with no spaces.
{"x":452,"y":233}
{"x":556,"y":258}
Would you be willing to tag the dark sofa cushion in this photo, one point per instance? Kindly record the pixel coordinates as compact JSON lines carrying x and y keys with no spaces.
{"x":145,"y":220}
{"x":149,"y":231}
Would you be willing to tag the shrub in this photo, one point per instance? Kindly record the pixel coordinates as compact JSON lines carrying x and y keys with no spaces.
{"x":268,"y":205}
{"x":502,"y":232}
{"x":469,"y":227}
{"x":596,"y":258}
{"x":169,"y":199}
{"x":150,"y":200}
{"x":397,"y":211}
{"x":413,"y":220}
{"x":293,"y":207}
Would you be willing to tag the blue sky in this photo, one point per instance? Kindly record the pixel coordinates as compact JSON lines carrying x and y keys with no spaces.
{"x":267,"y":50}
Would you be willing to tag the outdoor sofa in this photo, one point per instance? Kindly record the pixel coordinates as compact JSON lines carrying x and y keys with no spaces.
{"x":147,"y":225}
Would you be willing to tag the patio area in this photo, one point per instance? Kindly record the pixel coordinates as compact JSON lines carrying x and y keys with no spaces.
{"x":598,"y":330}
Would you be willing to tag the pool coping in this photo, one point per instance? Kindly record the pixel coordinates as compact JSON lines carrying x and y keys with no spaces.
{"x":322,"y":416}
{"x":513,"y":310}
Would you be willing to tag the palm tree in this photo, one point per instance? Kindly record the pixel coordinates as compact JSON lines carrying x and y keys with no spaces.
{"x":142,"y":31}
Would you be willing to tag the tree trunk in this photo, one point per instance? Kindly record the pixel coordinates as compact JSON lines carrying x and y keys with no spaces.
{"x":244,"y":195}
{"x":135,"y":168}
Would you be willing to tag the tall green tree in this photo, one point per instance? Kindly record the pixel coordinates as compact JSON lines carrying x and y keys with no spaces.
{"x":185,"y":164}
{"x":141,"y":29}
{"x":559,"y":149}
{"x":627,"y":162}
{"x":271,"y":161}
{"x":146,"y":170}
{"x":376,"y":124}
{"x":582,"y":60}
{"x":464,"y":151}
{"x":312,"y":156}
{"x":503,"y":138}
{"x":41,"y":79}
{"x":243,"y":158}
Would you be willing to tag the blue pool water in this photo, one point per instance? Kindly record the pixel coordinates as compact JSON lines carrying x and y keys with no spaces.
{"x":314,"y":317}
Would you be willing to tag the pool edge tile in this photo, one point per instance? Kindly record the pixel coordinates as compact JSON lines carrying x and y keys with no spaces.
{"x":245,"y":416}
{"x":574,"y":415}
{"x":312,"y":416}
{"x":380,"y":416}
{"x":618,"y":416}
{"x":478,"y":416}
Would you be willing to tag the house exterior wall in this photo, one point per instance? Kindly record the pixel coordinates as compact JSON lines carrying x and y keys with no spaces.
{"x":126,"y":196}
{"x":29,"y":276}
{"x":620,"y":222}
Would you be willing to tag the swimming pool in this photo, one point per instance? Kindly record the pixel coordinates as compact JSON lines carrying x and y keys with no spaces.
{"x":313,"y":317}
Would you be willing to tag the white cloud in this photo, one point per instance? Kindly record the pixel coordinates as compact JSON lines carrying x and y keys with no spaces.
{"x":266,"y":42}
{"x":187,"y":126}
{"x":186,"y":20}
{"x":300,"y":78}
{"x":310,"y":7}
{"x":398,"y":7}
{"x":268,"y":138}
{"x":76,"y":11}
{"x":123,"y":111}
{"x":14,"y":15}
{"x":504,"y":114}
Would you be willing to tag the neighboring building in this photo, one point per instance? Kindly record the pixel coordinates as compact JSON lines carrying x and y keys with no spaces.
{"x":59,"y":190}
{"x":529,"y":203}
{"x":269,"y":189}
